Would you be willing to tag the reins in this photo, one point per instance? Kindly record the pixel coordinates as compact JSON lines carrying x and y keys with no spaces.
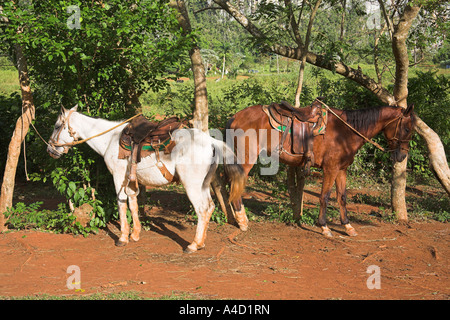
{"x":353,"y":129}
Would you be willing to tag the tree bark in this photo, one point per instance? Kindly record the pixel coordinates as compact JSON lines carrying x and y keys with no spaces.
{"x":20,"y":131}
{"x":436,"y":154}
{"x":201,"y":95}
{"x":400,"y":50}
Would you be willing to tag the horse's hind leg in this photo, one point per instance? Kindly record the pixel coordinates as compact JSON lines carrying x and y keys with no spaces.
{"x":328,"y":181}
{"x":341,"y":196}
{"x":239,"y":214}
{"x":204,"y":207}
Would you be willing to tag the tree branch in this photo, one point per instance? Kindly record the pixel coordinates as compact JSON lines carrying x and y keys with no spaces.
{"x":318,"y":60}
{"x":294,"y":23}
{"x":386,"y":17}
{"x":400,"y":51}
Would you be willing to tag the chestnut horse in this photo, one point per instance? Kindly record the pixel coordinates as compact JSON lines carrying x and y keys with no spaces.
{"x":334,"y":151}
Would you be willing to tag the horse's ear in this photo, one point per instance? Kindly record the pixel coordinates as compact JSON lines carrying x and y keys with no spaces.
{"x":74,"y":108}
{"x":408,"y":110}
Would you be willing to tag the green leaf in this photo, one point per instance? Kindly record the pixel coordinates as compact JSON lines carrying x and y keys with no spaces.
{"x":72,"y":186}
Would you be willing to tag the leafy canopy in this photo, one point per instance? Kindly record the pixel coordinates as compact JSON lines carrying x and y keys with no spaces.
{"x":95,"y":53}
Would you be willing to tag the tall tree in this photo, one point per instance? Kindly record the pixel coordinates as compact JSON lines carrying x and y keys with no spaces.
{"x":200,"y":115}
{"x":399,"y":35}
{"x":22,"y":125}
{"x":97,"y":54}
{"x":20,"y":131}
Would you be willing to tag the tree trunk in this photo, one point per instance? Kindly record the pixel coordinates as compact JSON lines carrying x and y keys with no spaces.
{"x":398,"y":190}
{"x":296,"y":175}
{"x":400,"y":50}
{"x":223,"y":66}
{"x":20,"y":131}
{"x":200,"y":119}
{"x":301,"y":72}
{"x":200,"y":114}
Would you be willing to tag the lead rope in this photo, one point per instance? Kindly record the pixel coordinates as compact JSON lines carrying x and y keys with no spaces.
{"x":74,"y":143}
{"x":354,"y":130}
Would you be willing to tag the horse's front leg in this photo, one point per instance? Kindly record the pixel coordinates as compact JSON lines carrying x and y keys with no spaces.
{"x":328,"y":180}
{"x":120,"y":183}
{"x":341,"y":196}
{"x":124,"y":227}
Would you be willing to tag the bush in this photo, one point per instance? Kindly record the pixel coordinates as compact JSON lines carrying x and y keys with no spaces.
{"x":23,"y":216}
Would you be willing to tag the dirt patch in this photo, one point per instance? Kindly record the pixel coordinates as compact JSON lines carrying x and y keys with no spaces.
{"x":270,"y":261}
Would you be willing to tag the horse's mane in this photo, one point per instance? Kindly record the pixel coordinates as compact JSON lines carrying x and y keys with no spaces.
{"x":363,"y":119}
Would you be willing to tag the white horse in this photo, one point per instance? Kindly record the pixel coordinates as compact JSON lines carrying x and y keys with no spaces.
{"x":193,"y":160}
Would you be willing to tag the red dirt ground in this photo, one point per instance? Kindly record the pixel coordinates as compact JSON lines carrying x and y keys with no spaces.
{"x":271,"y":260}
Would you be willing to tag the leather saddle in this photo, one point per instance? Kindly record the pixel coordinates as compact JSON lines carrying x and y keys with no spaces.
{"x":142,"y":137}
{"x":298,"y":127}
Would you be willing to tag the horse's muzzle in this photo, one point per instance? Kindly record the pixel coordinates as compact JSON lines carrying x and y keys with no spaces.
{"x":398,"y":156}
{"x":55,"y":154}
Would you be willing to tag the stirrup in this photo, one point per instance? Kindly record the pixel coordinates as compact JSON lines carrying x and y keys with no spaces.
{"x":127,"y":189}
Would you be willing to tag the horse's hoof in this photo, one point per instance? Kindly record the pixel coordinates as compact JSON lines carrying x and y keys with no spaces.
{"x":135,"y":239}
{"x":121,"y":243}
{"x":189,"y":250}
{"x":351,"y":231}
{"x":327,"y":232}
{"x":243,"y":227}
{"x":193,"y":247}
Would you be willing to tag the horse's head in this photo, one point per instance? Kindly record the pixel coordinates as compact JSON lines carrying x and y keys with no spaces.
{"x":399,"y":132}
{"x":63,"y":134}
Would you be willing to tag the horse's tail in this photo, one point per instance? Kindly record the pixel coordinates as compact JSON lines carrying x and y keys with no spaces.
{"x":233,"y":170}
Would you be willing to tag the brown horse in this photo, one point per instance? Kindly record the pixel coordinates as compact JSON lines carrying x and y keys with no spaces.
{"x":334,"y":151}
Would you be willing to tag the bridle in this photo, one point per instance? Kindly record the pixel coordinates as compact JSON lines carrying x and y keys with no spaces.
{"x":398,"y":142}
{"x":54,"y":142}
{"x":66,"y":120}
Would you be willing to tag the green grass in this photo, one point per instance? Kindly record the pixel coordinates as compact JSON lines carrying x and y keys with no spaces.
{"x":125,"y":295}
{"x":9,"y":81}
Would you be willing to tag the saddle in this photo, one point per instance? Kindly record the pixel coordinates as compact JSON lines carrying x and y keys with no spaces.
{"x":141,"y":137}
{"x":298,"y":126}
